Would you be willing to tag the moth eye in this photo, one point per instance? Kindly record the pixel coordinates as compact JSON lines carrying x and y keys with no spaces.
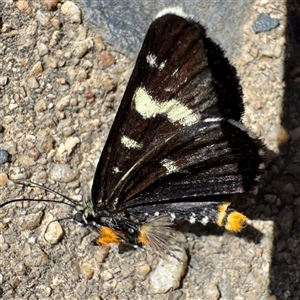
{"x":78,"y":217}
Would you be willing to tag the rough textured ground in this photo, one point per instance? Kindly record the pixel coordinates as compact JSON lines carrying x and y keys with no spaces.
{"x":60,"y":86}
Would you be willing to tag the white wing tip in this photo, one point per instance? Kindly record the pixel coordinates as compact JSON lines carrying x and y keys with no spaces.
{"x":176,"y":10}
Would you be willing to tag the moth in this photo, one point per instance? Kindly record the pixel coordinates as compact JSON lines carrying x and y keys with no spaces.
{"x":177,"y":146}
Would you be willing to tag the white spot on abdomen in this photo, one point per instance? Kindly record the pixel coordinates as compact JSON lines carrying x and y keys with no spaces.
{"x":204,"y":220}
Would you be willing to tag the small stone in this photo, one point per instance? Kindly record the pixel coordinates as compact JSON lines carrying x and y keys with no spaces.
{"x":51,"y":62}
{"x":212,"y":292}
{"x":32,"y":83}
{"x":87,"y":64}
{"x":22,"y":4}
{"x":109,"y":285}
{"x":42,"y":18}
{"x":32,"y":221}
{"x":106,"y":60}
{"x":73,"y":102}
{"x":62,"y":172}
{"x":61,"y":80}
{"x":72,"y":72}
{"x":285,"y":220}
{"x":37,"y":258}
{"x":126,"y":285}
{"x":26,"y":161}
{"x":72,"y":11}
{"x":89,"y":94}
{"x":67,"y":54}
{"x":264,"y":23}
{"x":4,"y":247}
{"x":12,"y":106}
{"x":55,"y":38}
{"x":50,"y":4}
{"x":56,"y":23}
{"x":64,"y":87}
{"x":10,"y":147}
{"x":61,"y":63}
{"x":87,"y":270}
{"x":43,"y":291}
{"x":99,"y":45}
{"x":143,"y":269}
{"x":66,"y":148}
{"x":107,"y":84}
{"x":54,"y":233}
{"x":74,"y":267}
{"x":40,"y":106}
{"x":62,"y":103}
{"x":42,"y":48}
{"x":3,"y":179}
{"x":3,"y":80}
{"x":35,"y":70}
{"x":45,"y":145}
{"x":175,"y":295}
{"x":271,"y":50}
{"x":3,"y":156}
{"x":101,"y":253}
{"x":81,"y":48}
{"x":81,"y":33}
{"x":126,"y":270}
{"x":64,"y":123}
{"x":106,"y":275}
{"x":168,"y":273}
{"x":82,"y":75}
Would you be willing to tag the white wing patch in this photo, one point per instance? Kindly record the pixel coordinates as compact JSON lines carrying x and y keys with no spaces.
{"x":170,"y":166}
{"x":173,"y":109}
{"x":176,"y":10}
{"x":151,"y":60}
{"x":162,"y":65}
{"x":116,"y":170}
{"x":130,"y":143}
{"x":207,"y":120}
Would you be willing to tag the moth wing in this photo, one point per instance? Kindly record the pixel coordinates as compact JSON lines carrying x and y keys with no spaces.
{"x":176,"y":107}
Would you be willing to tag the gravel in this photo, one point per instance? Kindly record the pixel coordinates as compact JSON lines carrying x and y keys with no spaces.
{"x":60,"y":87}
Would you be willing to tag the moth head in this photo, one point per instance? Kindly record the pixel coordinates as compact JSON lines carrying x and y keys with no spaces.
{"x":82,"y":212}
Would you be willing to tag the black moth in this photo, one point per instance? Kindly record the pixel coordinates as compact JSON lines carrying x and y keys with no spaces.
{"x":177,"y":145}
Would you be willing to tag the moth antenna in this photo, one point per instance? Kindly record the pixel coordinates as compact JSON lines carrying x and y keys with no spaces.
{"x":73,"y":204}
{"x":28,"y":182}
{"x":36,"y":200}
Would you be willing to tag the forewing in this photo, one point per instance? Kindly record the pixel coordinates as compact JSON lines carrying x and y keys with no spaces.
{"x":171,"y":129}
